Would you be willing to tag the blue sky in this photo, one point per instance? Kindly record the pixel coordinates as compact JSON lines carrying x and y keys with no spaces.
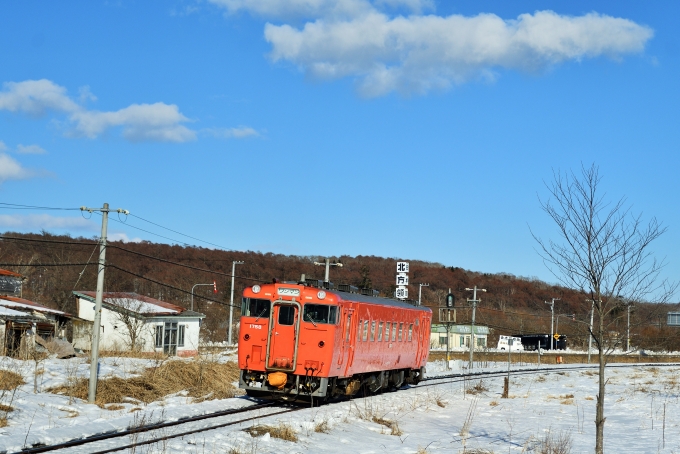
{"x":400,"y":128}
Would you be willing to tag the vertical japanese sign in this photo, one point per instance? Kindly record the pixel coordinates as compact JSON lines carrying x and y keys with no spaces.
{"x":402,"y":281}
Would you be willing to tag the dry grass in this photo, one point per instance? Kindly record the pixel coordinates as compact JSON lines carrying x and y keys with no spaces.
{"x":132,"y":354}
{"x":392,"y":425}
{"x":555,"y":443}
{"x":6,"y":408}
{"x":282,"y":431}
{"x":10,"y":380}
{"x":114,"y":407}
{"x":323,"y":427}
{"x":3,"y":421}
{"x":493,"y":403}
{"x":479,"y":388}
{"x":200,"y":379}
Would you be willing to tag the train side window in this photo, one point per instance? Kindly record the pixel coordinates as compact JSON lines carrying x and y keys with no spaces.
{"x":361,"y":322}
{"x":286,"y":315}
{"x":394,"y":331}
{"x":380,"y":331}
{"x":364,"y":338}
{"x":387,"y":331}
{"x":410,"y":332}
{"x":401,"y":328}
{"x":319,"y":313}
{"x":347,"y":328}
{"x":373,"y":331}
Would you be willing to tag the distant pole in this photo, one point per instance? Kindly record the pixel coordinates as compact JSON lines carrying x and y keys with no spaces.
{"x":552,"y":318}
{"x":327,"y":263}
{"x":96,"y":326}
{"x":420,"y":291}
{"x":474,"y":302}
{"x":590,"y":331}
{"x":192,"y":294}
{"x":628,"y":331}
{"x":231,"y":300}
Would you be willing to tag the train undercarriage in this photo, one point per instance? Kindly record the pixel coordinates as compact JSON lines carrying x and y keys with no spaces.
{"x":291,"y":387}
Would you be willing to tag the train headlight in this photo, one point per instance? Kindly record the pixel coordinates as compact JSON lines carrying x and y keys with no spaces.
{"x":321,"y":295}
{"x":256,"y":288}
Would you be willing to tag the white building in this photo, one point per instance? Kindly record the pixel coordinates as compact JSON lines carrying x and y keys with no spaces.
{"x":459,"y":336}
{"x":135,"y":322}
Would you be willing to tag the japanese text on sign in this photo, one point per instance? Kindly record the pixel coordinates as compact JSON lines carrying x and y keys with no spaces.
{"x":402,"y":279}
{"x":401,"y":293}
{"x":402,"y":267}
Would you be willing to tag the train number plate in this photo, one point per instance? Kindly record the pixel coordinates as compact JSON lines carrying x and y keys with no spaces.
{"x":255,"y":384}
{"x":289,"y":291}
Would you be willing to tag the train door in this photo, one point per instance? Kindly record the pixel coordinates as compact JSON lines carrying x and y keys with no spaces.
{"x":282,"y":340}
{"x":346,"y":343}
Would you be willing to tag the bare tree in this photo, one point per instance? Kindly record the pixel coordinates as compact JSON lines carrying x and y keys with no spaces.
{"x":129,"y":315}
{"x":604,"y":251}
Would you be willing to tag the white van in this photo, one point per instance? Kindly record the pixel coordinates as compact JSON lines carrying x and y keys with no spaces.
{"x":503,"y":343}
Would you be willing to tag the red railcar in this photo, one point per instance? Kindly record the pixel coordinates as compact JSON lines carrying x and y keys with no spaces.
{"x":297,"y":340}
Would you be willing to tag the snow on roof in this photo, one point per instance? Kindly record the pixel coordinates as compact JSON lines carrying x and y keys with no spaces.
{"x":11,"y":312}
{"x":13,"y":302}
{"x":134,"y":302}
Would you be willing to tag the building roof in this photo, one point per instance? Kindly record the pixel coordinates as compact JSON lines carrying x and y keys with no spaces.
{"x":139,"y":304}
{"x":10,"y":273}
{"x":459,"y":329}
{"x":23,"y":305}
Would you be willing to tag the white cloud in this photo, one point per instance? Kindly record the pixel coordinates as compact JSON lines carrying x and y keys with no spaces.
{"x":416,"y":54}
{"x":3,"y":147}
{"x":44,"y":221}
{"x":35,"y":97}
{"x":123,"y":237}
{"x":12,"y":170}
{"x":155,"y":122}
{"x":139,"y":122}
{"x":240,"y":132}
{"x":30,"y":149}
{"x":297,"y":8}
{"x":289,"y":9}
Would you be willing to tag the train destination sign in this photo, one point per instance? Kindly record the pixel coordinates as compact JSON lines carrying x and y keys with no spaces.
{"x":288,"y":291}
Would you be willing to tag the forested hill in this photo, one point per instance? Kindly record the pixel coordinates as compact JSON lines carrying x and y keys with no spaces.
{"x":53,"y":265}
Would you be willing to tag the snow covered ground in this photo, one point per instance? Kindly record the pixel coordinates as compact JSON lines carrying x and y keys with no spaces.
{"x":642,"y":411}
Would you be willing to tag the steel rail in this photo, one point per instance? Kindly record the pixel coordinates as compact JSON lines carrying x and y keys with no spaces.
{"x":464,"y":376}
{"x":140,"y":429}
{"x":189,"y":432}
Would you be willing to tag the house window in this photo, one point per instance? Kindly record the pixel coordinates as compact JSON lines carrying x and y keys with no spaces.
{"x":159,"y":336}
{"x":180,"y":336}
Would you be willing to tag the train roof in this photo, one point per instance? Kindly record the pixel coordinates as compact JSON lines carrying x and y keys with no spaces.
{"x":359,"y":298}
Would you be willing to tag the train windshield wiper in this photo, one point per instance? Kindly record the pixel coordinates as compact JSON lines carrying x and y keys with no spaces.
{"x":261,"y":314}
{"x":309,"y":316}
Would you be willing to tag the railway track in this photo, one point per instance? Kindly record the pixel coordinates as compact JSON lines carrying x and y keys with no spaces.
{"x":134,"y":432}
{"x":279,"y":408}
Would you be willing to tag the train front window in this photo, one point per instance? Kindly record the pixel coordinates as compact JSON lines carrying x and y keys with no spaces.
{"x":254,"y":307}
{"x":286,"y":315}
{"x":320,"y":313}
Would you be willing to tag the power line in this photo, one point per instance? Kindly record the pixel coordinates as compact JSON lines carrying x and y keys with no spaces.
{"x":167,"y":285}
{"x":183,"y":265}
{"x":77,"y":243}
{"x":180,"y":233}
{"x":47,"y":264}
{"x":15,"y":206}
